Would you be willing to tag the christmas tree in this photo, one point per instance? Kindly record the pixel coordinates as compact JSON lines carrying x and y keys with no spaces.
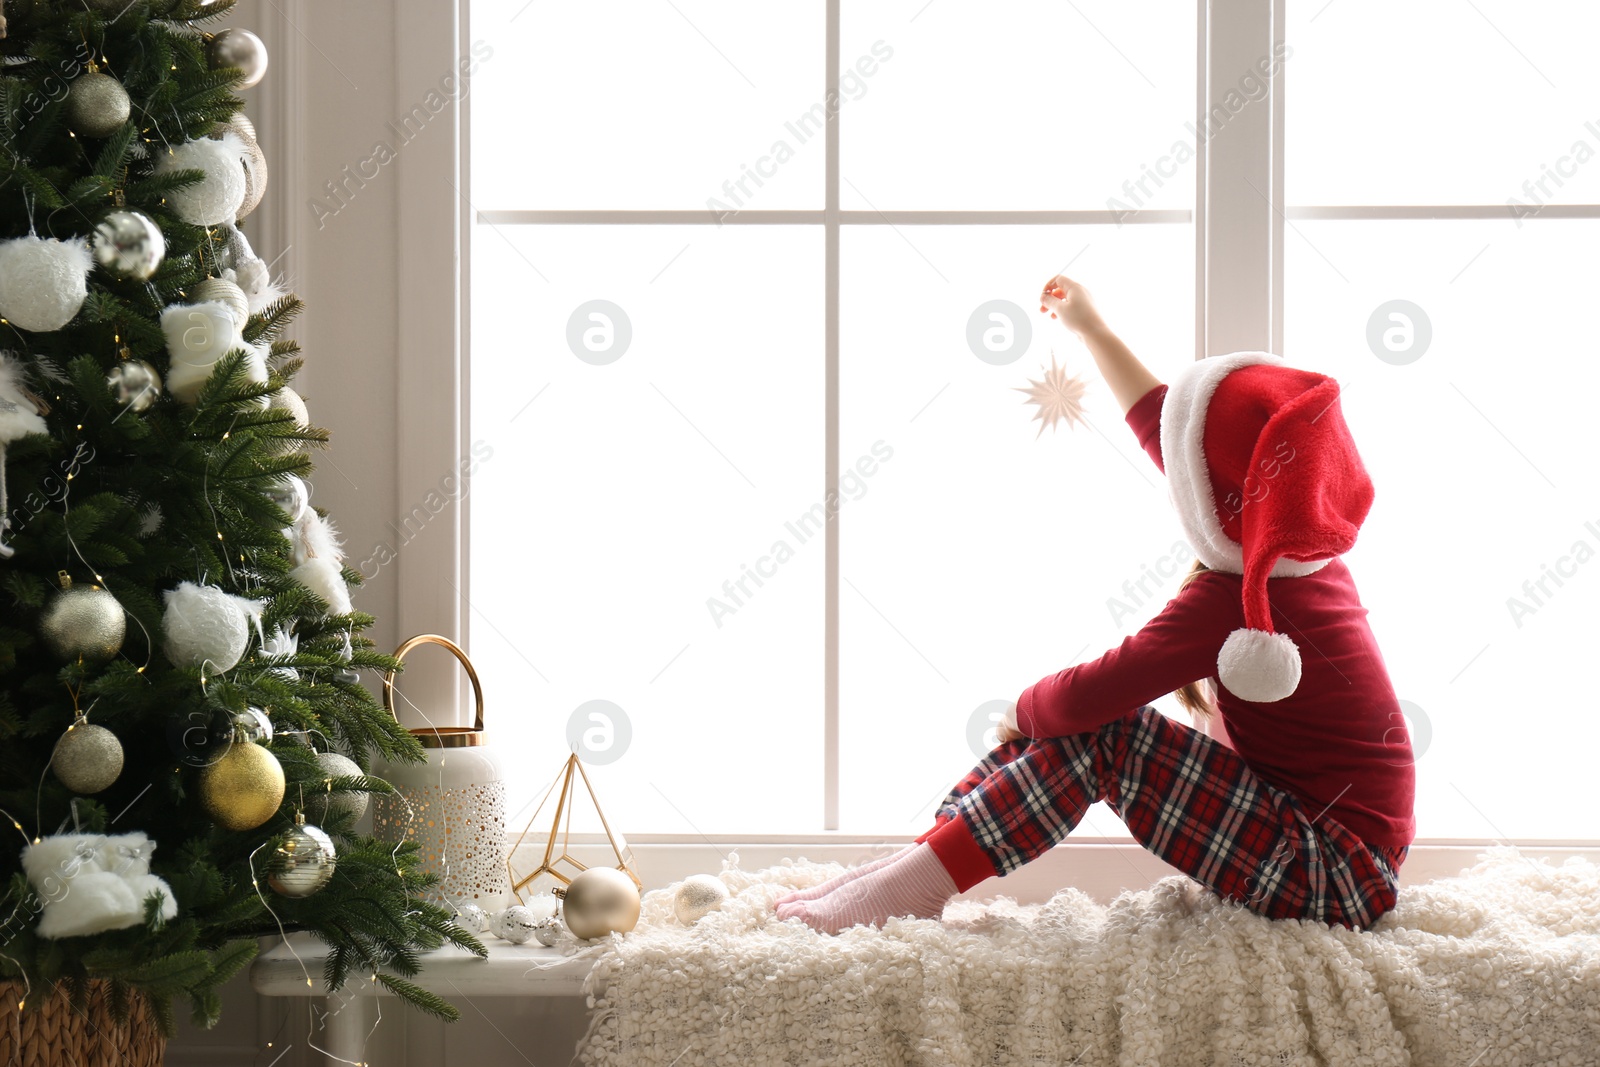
{"x":178,"y":650}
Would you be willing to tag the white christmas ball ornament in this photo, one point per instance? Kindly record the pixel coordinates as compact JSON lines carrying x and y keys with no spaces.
{"x":204,"y":627}
{"x":515,"y":924}
{"x":216,"y":198}
{"x":698,"y":895}
{"x":43,"y":281}
{"x":286,"y":399}
{"x":322,"y":802}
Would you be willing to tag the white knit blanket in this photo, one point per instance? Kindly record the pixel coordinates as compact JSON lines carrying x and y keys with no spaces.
{"x":1497,"y":966}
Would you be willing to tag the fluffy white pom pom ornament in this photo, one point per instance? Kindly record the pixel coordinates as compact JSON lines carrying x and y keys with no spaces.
{"x":323,"y":577}
{"x":43,"y":281}
{"x":1259,"y":666}
{"x":315,"y":537}
{"x":198,"y":335}
{"x":204,"y":627}
{"x":216,"y":198}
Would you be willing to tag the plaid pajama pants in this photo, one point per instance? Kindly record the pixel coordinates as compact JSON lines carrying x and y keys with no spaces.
{"x":1189,"y":799}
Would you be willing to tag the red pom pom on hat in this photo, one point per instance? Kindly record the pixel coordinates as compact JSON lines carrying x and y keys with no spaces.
{"x":1268,"y":484}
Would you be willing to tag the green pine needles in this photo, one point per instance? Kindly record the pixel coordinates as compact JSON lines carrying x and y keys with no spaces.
{"x":138,"y":501}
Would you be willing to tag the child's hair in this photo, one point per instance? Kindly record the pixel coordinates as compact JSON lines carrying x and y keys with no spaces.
{"x":1195,"y":697}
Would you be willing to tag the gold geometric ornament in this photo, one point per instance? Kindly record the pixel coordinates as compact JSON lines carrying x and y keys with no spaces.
{"x":561,"y":833}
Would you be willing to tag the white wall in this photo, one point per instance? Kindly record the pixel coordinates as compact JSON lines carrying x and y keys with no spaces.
{"x":329,"y":92}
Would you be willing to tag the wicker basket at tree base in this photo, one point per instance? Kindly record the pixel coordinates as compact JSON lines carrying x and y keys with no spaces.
{"x":53,"y":1034}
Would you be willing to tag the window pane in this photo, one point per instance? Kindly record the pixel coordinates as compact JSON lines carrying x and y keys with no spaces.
{"x":631,"y":104}
{"x":1438,"y":102}
{"x":1017,"y":105}
{"x":622,"y":495}
{"x":982,"y":555}
{"x":1474,"y":416}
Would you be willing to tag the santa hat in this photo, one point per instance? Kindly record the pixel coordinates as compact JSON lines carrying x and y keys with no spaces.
{"x":1268,"y":484}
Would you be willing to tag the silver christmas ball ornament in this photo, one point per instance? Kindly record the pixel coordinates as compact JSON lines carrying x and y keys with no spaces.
{"x":323,"y":803}
{"x":97,"y":105}
{"x":128,"y":244}
{"x":82,"y":622}
{"x":135,"y":384}
{"x":223,"y":291}
{"x":291,"y":495}
{"x":472,"y":919}
{"x":87,"y":758}
{"x":698,"y":895}
{"x":548,"y":931}
{"x":515,"y":924}
{"x":303,"y":862}
{"x":242,"y":49}
{"x":253,"y":724}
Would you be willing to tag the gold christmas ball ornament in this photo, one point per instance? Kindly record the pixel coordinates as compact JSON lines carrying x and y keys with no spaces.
{"x":224,"y":292}
{"x":698,"y":895}
{"x":243,"y":788}
{"x":82,"y":622}
{"x":97,"y":105}
{"x":600,"y":901}
{"x":87,"y":758}
{"x":303,"y":862}
{"x":242,"y":49}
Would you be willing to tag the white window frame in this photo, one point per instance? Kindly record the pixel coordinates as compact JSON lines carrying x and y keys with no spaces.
{"x":1239,"y":225}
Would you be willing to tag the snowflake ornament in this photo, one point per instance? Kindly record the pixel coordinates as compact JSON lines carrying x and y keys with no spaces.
{"x":1059,"y":397}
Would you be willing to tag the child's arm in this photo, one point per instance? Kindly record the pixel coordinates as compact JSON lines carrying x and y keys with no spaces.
{"x":1128,"y":378}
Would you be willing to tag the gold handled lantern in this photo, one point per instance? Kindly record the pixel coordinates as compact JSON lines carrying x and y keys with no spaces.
{"x":454,"y":805}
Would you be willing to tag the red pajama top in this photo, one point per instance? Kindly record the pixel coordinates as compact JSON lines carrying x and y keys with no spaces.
{"x":1338,"y":743}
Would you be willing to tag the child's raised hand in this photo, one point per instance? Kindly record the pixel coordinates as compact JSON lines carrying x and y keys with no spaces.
{"x":1071,"y":303}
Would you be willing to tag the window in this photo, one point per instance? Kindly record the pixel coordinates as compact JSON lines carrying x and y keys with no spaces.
{"x":1443,"y":205}
{"x":701,"y":317}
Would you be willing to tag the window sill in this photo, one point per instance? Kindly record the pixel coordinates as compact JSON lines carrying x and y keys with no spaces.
{"x":1101,"y":868}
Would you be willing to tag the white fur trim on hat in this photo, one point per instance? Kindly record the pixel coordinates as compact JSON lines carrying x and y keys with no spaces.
{"x":1183,"y":428}
{"x":1258,"y":665}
